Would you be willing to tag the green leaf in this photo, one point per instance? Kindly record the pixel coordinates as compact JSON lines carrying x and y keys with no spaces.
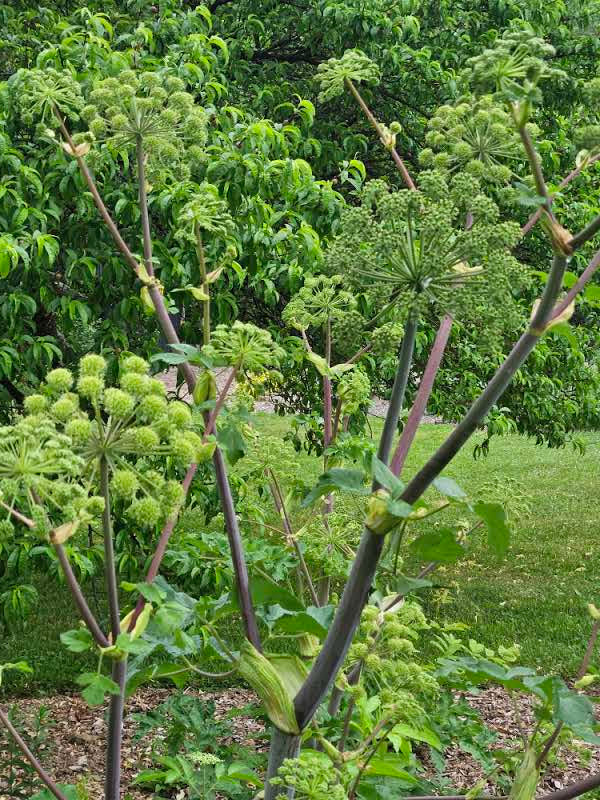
{"x":384,"y":476}
{"x":78,"y":640}
{"x":390,"y":765}
{"x":498,"y":531}
{"x":426,"y":735}
{"x":151,"y":592}
{"x":266,"y":592}
{"x":315,"y":621}
{"x":69,"y":791}
{"x":404,"y":585}
{"x":320,"y":363}
{"x":449,"y":488}
{"x":398,"y":508}
{"x":231,"y":441}
{"x":97,"y":686}
{"x":346,"y":480}
{"x":439,"y":545}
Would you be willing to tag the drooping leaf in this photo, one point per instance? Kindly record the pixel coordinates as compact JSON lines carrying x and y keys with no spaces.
{"x":345,"y":480}
{"x":494,"y":516}
{"x":439,"y":545}
{"x":449,"y":488}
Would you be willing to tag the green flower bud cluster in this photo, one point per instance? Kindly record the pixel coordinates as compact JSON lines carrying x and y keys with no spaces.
{"x":354,"y":390}
{"x":206,"y":212}
{"x":387,"y":338}
{"x":311,"y":776}
{"x":37,"y":460}
{"x":386,"y":644}
{"x":354,"y":65}
{"x":476,"y":135}
{"x":321,"y":298}
{"x":131,"y":425}
{"x":155,"y":109}
{"x":514,"y":66}
{"x":40,"y":93}
{"x":244,"y":347}
{"x":348,"y":332}
{"x":415,"y":247}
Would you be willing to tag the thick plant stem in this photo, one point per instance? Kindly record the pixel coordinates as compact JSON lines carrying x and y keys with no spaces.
{"x":112,"y":784}
{"x":380,"y":132}
{"x":80,"y":601}
{"x":357,"y":588}
{"x":423,"y":394}
{"x":112,"y":590}
{"x":283,"y":745}
{"x":205,"y":286}
{"x":43,"y":775}
{"x":398,"y":390}
{"x":237,"y":552}
{"x":161,"y":547}
{"x":112,"y":781}
{"x":143,"y":201}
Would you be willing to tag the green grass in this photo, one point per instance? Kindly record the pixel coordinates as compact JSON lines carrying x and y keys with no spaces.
{"x":536,"y":596}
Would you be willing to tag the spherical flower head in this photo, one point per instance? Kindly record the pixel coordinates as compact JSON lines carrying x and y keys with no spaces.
{"x":95,"y":505}
{"x":145,"y":512}
{"x":36,"y":404}
{"x":63,"y":408}
{"x":373,"y":661}
{"x":90,"y":387}
{"x":152,"y":408}
{"x":172,"y":495}
{"x":135,"y":364}
{"x":124,"y":484}
{"x":354,"y":65}
{"x":135,"y":383}
{"x":204,"y":759}
{"x":118,"y":403}
{"x":79,"y":430}
{"x":183,"y":449}
{"x":92,"y":364}
{"x":244,"y":346}
{"x":179,"y":415}
{"x":145,"y":438}
{"x":60,"y":380}
{"x":157,"y":387}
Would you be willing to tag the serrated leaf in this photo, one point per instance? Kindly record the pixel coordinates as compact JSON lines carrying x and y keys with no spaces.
{"x":78,"y":640}
{"x":439,"y":545}
{"x":346,"y":480}
{"x":386,"y":478}
{"x":449,"y":488}
{"x":494,"y":516}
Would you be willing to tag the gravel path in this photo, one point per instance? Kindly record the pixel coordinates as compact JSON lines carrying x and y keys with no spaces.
{"x":378,"y":407}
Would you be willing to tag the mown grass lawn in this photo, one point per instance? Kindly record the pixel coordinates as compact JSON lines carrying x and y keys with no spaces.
{"x":536,"y":596}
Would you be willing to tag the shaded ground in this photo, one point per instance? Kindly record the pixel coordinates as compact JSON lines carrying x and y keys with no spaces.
{"x":80,"y":733}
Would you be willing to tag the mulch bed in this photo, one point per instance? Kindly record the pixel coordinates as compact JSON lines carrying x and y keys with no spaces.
{"x":79,"y":733}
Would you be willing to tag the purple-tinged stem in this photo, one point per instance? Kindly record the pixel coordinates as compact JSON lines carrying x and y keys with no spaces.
{"x":210,"y":425}
{"x":423,"y":395}
{"x":78,"y":597}
{"x":44,"y":777}
{"x":392,"y":150}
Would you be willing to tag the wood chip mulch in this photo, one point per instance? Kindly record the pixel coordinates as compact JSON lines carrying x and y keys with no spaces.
{"x":79,"y":732}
